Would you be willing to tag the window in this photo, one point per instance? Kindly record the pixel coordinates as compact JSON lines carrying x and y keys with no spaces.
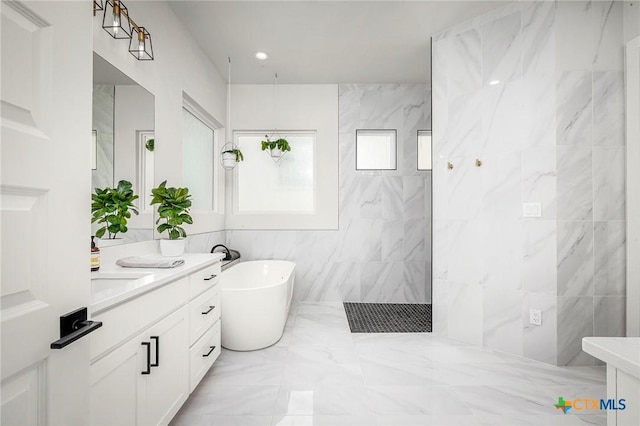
{"x":266,"y":186}
{"x":376,"y":150}
{"x":198,"y":157}
{"x":424,"y":150}
{"x":146,"y":171}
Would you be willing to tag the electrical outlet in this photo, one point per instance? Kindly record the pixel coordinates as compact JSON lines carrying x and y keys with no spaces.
{"x":535,"y":316}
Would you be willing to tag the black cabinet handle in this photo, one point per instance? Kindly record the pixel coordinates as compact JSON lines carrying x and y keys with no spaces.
{"x":148,"y":345}
{"x":157,"y":339}
{"x":211,"y":308}
{"x":83,"y":328}
{"x":211,"y":349}
{"x":212,"y":276}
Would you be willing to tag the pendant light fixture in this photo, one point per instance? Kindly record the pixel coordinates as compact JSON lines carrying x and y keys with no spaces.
{"x":97,"y":5}
{"x":230,"y":154}
{"x":140,"y":44}
{"x":115,"y":20}
{"x":118,"y":24}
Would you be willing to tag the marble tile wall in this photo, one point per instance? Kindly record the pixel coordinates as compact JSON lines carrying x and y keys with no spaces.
{"x":590,"y":160}
{"x":535,"y":91}
{"x":382,"y":249}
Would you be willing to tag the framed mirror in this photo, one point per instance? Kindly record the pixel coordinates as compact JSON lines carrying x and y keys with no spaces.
{"x":123,"y":127}
{"x":376,"y":149}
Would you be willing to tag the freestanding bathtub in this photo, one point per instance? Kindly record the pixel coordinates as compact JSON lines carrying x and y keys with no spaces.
{"x":255,"y":302}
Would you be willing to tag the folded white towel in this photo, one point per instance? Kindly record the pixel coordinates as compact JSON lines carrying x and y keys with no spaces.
{"x":147,"y":262}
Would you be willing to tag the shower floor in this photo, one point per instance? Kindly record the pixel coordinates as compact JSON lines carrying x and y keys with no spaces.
{"x":388,"y":317}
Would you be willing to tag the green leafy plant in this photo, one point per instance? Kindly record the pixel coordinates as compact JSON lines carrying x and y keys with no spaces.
{"x":280,"y":144}
{"x":237,"y":152}
{"x":150,"y":145}
{"x":173,"y":209}
{"x":112,"y":207}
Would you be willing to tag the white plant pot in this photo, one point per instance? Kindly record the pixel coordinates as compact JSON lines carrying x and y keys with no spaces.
{"x":276,"y":153}
{"x":109,"y":242}
{"x":229,"y":160}
{"x":172,"y":248}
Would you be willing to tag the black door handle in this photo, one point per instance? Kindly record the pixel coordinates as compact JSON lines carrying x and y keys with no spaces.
{"x":211,"y":349}
{"x":211,"y":308}
{"x":148,"y":345}
{"x":157,"y":339}
{"x":212,"y":276}
{"x":85,"y":328}
{"x":73,"y":326}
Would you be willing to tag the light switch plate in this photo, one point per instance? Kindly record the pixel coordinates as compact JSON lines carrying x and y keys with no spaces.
{"x":532,"y":209}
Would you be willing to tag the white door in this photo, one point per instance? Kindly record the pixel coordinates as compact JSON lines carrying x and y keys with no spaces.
{"x":44,"y":208}
{"x":632,"y":77}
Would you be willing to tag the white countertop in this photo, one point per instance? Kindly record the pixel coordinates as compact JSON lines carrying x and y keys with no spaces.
{"x":113,"y":284}
{"x":620,"y":352}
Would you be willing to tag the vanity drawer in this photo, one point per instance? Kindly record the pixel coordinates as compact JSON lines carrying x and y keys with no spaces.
{"x":127,"y":319}
{"x":203,"y":279}
{"x":202,"y":355}
{"x":204,"y":311}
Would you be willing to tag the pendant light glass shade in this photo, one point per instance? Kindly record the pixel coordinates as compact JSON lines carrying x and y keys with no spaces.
{"x":97,"y":5}
{"x":140,"y":44}
{"x":116,"y":19}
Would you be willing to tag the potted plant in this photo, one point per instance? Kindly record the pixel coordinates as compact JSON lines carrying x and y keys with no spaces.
{"x":173,"y":211}
{"x":276,"y":148}
{"x":230,"y":157}
{"x":111,"y":208}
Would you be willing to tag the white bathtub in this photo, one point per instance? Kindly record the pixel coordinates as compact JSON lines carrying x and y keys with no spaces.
{"x":255,"y":303}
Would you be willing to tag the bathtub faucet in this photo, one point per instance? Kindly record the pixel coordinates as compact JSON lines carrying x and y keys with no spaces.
{"x":227,"y":256}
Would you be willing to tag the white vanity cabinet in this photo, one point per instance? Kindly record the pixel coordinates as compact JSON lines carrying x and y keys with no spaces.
{"x":204,"y":330}
{"x":155,"y":348}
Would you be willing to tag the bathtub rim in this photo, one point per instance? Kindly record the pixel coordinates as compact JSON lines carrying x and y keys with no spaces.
{"x":293,"y":269}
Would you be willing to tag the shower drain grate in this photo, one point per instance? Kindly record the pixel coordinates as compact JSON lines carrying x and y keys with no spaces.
{"x":388,"y":317}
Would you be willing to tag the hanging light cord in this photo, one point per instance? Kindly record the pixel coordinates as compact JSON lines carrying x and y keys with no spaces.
{"x":275,"y":103}
{"x":229,"y":137}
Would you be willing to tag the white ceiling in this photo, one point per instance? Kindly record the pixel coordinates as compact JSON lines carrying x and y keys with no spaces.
{"x":313,"y":42}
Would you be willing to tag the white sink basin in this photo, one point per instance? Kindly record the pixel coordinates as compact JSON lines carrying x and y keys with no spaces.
{"x":110,"y":278}
{"x":107,"y":285}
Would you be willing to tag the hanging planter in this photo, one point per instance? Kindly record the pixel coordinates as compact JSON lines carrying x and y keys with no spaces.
{"x":230,"y":156}
{"x":277,"y":148}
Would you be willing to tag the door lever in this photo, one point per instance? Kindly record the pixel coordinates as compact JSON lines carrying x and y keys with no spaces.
{"x":74,"y":326}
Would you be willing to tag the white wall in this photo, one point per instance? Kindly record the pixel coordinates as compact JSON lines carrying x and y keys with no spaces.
{"x":179,"y":66}
{"x":291,"y":107}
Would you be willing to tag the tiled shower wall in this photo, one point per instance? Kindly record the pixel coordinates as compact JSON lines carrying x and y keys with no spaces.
{"x":381,"y":251}
{"x":534,"y":91}
{"x":591,"y":181}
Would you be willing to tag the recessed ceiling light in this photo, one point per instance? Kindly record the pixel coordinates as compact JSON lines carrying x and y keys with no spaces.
{"x":262,"y":56}
{"x":494,"y":82}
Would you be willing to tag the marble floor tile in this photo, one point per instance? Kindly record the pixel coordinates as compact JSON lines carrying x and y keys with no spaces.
{"x":233,"y":400}
{"x":515,"y":399}
{"x":321,"y":374}
{"x":335,"y":400}
{"x":217,"y":420}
